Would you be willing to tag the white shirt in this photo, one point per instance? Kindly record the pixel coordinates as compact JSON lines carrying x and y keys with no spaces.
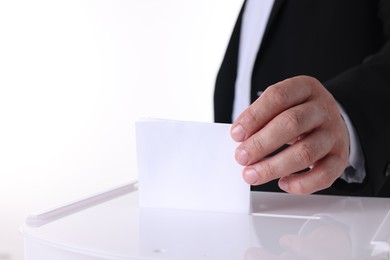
{"x":254,"y":21}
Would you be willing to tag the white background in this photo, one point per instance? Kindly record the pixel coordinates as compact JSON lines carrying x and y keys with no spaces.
{"x":76,"y":74}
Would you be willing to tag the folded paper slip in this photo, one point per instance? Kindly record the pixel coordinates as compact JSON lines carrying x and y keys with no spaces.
{"x":189,"y":165}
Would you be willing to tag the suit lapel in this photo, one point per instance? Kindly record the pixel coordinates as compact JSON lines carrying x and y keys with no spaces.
{"x":275,"y":10}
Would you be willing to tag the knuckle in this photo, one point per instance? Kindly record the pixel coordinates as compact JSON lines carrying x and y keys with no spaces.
{"x":304,"y":154}
{"x":277,"y":95}
{"x":258,"y":144}
{"x":251,"y":114}
{"x":312,"y":81}
{"x":292,"y":121}
{"x":268,"y":172}
{"x":328,"y":113}
{"x":319,"y":181}
{"x":326,"y":180}
{"x":300,"y":187}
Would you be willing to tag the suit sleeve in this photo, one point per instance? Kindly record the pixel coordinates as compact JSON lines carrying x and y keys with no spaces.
{"x":364,"y":92}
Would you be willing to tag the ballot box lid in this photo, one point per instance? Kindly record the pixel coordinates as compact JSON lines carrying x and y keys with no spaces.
{"x":111,"y":225}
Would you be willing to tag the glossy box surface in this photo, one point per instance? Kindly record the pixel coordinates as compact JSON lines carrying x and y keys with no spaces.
{"x":110,"y":225}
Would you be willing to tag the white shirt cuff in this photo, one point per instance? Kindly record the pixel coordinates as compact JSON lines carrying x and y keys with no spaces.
{"x":356,"y":158}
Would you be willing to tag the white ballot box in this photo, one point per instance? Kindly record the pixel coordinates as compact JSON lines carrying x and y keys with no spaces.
{"x":111,"y":225}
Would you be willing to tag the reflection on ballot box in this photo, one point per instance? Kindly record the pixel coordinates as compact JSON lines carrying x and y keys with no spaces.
{"x":111,"y":225}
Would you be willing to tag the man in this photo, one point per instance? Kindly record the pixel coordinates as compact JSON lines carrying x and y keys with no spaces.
{"x":322,"y":72}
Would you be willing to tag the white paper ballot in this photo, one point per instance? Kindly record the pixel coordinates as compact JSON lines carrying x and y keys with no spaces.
{"x":189,"y":165}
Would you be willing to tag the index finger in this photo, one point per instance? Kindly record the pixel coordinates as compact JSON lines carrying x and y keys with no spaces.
{"x":274,"y":100}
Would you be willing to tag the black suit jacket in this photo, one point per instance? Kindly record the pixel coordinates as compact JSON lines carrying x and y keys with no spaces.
{"x":346,"y":45}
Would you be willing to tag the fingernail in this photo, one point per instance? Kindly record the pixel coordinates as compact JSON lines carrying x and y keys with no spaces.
{"x":283,"y":184}
{"x":250,"y":176}
{"x":238,"y":133}
{"x":241,"y":156}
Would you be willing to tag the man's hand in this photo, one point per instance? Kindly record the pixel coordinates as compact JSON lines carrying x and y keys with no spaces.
{"x":298,"y":111}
